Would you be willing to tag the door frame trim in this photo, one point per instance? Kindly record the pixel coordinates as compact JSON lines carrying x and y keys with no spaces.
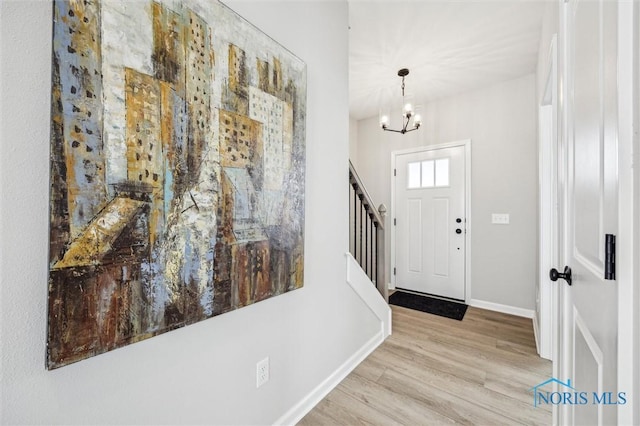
{"x":628,"y":239}
{"x":466,"y":144}
{"x":547,"y":212}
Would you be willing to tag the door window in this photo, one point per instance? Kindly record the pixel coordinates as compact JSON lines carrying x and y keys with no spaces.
{"x":428,"y":174}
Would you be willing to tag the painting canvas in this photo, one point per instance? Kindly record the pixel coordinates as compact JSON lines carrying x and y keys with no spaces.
{"x":177,"y":170}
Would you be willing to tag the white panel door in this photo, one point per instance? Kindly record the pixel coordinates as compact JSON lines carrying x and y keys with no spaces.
{"x":588,"y":308}
{"x":430,"y":221}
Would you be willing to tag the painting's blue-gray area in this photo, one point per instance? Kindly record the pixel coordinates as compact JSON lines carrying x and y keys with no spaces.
{"x":81,"y":98}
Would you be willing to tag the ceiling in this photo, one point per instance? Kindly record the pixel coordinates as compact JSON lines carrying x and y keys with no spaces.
{"x":449,"y":47}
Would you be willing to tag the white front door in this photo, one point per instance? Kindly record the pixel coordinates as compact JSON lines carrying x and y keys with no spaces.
{"x":589,"y":206}
{"x":430,"y":221}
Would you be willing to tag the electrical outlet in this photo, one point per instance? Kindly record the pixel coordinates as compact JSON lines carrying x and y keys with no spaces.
{"x":262,"y":372}
{"x":500,"y":218}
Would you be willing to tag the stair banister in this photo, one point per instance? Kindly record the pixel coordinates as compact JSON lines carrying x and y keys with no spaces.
{"x":366,"y":233}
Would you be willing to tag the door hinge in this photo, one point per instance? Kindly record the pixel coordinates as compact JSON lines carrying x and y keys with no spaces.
{"x":394,"y":271}
{"x":610,"y":257}
{"x":394,"y":221}
{"x":394,"y":172}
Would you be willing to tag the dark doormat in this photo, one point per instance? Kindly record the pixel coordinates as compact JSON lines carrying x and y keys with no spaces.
{"x":430,"y":305}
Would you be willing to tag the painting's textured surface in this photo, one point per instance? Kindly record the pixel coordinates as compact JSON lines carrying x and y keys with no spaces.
{"x":177,"y":170}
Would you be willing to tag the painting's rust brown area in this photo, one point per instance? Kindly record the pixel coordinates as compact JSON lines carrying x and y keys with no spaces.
{"x":169,"y":47}
{"x":250,"y":278}
{"x":243,"y":273}
{"x":96,"y":308}
{"x":59,"y":231}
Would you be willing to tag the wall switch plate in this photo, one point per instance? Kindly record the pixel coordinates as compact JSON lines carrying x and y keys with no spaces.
{"x":500,"y":218}
{"x":262,"y":372}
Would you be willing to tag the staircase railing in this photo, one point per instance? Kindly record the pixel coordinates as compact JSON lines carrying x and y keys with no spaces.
{"x":366,"y":232}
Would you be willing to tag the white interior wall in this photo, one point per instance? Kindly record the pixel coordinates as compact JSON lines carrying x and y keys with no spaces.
{"x":203,"y":373}
{"x":353,"y":141}
{"x":501,"y":122}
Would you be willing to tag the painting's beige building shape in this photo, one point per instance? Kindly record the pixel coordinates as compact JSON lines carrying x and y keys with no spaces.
{"x":276,"y":118}
{"x":240,"y":141}
{"x":235,"y":94}
{"x":277,"y":129}
{"x":264,"y":81}
{"x":144,"y":150}
{"x":145,"y":164}
{"x":96,"y":241}
{"x":81,"y":96}
{"x":183,"y":58}
{"x":270,"y":78}
{"x":199,"y":70}
{"x":169,"y":47}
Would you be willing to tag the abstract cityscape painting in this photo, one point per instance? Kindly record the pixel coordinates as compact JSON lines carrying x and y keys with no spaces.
{"x":177,"y":170}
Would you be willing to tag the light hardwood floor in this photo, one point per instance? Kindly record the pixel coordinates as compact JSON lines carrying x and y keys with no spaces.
{"x":434,"y":370}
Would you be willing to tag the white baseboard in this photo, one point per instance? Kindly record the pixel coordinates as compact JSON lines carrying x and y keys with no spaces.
{"x":298,"y":411}
{"x":363,"y":287}
{"x":505,"y":309}
{"x":536,"y":334}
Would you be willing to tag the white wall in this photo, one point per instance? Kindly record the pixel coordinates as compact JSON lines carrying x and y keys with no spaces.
{"x":501,"y":122}
{"x":203,"y":373}
{"x":353,"y":141}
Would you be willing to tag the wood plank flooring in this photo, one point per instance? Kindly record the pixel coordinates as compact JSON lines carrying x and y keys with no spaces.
{"x":434,"y":370}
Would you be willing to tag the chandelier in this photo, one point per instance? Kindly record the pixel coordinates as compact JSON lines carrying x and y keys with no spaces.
{"x":407,"y":112}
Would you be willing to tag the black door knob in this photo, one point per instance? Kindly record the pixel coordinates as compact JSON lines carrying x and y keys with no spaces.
{"x":458,"y":220}
{"x":566,"y":275}
{"x":458,"y":231}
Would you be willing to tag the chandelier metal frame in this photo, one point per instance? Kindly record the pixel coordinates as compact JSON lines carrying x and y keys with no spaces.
{"x":406,"y":114}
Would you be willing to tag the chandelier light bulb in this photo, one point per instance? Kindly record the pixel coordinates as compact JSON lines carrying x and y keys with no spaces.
{"x":408,"y":109}
{"x":417,"y":120}
{"x":384,"y":121}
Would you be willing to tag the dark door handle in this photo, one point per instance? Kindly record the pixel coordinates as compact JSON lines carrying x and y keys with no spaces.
{"x":458,"y":231}
{"x":566,"y":275}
